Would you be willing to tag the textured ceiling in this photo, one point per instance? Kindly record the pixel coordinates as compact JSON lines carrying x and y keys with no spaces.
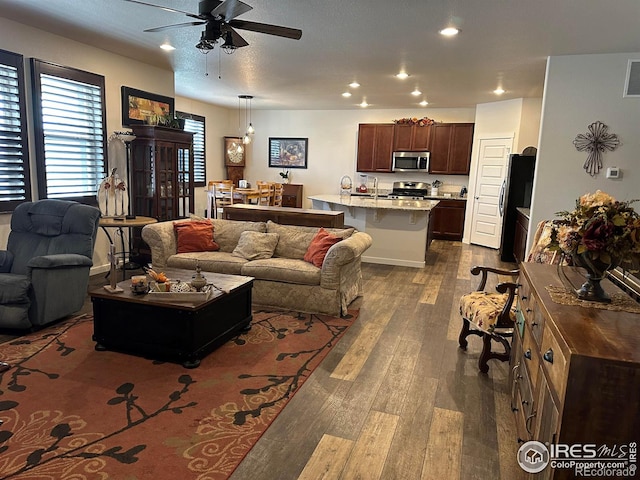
{"x":502,"y":42}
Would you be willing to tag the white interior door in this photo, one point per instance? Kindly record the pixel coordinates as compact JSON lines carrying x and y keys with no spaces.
{"x":486,"y":223}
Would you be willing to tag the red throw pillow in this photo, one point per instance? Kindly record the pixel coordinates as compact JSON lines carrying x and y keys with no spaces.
{"x":319,"y":247}
{"x":195,"y":236}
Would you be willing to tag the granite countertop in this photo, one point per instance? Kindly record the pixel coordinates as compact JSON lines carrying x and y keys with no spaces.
{"x":379,"y":203}
{"x":445,"y":196}
{"x":524,"y":211}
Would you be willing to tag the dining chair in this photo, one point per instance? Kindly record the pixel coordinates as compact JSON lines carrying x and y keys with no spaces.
{"x":265,"y":190}
{"x":220,"y":196}
{"x":277,"y":195}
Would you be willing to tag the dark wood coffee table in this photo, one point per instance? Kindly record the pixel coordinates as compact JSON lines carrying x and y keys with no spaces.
{"x":170,"y":329}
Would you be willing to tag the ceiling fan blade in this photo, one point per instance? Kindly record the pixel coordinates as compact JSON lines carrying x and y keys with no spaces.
{"x":177,"y":25}
{"x":231,"y":9}
{"x":168,"y":9}
{"x":286,"y":32}
{"x":238,"y":41}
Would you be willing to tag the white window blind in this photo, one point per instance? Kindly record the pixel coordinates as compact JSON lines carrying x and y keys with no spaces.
{"x":196,"y":125}
{"x":14,"y":164}
{"x":71,"y":147}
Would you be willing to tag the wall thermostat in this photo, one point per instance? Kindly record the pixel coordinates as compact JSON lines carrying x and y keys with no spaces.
{"x":613,"y":172}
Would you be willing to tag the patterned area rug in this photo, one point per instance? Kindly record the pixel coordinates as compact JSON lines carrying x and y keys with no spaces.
{"x":70,"y":412}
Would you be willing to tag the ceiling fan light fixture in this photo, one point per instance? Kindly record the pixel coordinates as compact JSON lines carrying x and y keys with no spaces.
{"x":228,"y":47}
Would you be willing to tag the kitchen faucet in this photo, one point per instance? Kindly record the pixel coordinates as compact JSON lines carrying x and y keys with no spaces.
{"x":375,"y":188}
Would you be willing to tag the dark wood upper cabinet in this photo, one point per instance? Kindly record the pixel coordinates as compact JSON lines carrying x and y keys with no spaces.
{"x":411,"y":138}
{"x":451,"y":148}
{"x":375,"y":147}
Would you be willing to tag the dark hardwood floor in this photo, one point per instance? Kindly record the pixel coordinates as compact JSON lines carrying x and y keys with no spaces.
{"x":396,"y":398}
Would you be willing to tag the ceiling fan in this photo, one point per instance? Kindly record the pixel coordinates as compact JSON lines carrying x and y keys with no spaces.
{"x":219,"y":20}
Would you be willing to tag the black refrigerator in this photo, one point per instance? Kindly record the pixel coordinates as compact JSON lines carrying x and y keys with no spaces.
{"x":516,"y":192}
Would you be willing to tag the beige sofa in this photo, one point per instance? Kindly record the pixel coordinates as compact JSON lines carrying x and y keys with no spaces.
{"x":285,"y":280}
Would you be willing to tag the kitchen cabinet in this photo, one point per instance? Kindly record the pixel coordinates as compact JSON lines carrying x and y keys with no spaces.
{"x":520,"y":236}
{"x":161,"y":176}
{"x":575,"y":370}
{"x":375,"y":147}
{"x":447,"y":220}
{"x":291,"y":195}
{"x":411,"y":138}
{"x":451,"y":148}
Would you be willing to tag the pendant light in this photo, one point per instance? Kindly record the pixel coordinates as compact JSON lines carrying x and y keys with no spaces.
{"x":237,"y":146}
{"x":246,"y":139}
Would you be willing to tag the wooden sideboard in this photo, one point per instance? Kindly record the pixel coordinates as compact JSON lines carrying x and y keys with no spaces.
{"x":284,"y":215}
{"x":575,"y":371}
{"x":292,"y":195}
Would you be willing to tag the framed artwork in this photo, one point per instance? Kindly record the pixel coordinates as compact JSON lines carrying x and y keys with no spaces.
{"x":139,"y":106}
{"x":288,"y":152}
{"x":234,"y":156}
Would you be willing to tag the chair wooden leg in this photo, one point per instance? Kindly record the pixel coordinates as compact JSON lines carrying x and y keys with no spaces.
{"x":465,"y":332}
{"x":487,"y":354}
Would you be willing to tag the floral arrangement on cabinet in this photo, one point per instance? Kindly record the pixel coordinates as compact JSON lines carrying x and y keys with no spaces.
{"x":599,"y":230}
{"x":421,"y":122}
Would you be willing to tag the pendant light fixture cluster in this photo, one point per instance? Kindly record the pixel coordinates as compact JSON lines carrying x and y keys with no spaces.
{"x":247,"y":137}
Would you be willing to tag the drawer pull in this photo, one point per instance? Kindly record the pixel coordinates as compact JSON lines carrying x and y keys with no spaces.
{"x":548,"y":356}
{"x":524,"y":297}
{"x":528,"y":310}
{"x":527,"y":354}
{"x":525,"y":402}
{"x":534,"y":324}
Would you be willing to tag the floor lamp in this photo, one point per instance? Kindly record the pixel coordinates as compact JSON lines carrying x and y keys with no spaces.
{"x":127,"y":138}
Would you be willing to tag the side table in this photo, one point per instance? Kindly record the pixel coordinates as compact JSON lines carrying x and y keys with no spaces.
{"x":121,"y":224}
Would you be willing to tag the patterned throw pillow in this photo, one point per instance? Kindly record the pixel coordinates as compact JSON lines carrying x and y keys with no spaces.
{"x":195,"y":236}
{"x":256,"y":245}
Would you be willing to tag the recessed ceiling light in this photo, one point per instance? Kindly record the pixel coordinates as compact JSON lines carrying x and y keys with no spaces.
{"x":402,"y":75}
{"x":354,"y":84}
{"x":416,"y":92}
{"x":424,"y":103}
{"x":498,"y":91}
{"x":346,"y":94}
{"x":364,"y":104}
{"x":449,"y":31}
{"x":167,"y":47}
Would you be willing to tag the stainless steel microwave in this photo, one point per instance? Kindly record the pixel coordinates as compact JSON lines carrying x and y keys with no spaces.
{"x":410,"y":161}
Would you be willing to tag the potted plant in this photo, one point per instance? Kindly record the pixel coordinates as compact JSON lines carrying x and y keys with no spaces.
{"x":285,"y":175}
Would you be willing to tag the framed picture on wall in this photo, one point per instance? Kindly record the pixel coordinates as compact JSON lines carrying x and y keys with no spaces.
{"x":139,"y":107}
{"x":288,"y":152}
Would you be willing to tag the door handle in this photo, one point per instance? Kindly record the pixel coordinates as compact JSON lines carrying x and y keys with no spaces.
{"x":502,"y":192}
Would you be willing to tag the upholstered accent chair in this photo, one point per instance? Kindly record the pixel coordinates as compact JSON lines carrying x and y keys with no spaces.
{"x":44,"y":272}
{"x":492,"y":315}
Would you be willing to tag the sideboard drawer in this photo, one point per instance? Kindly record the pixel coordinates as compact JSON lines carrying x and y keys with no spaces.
{"x":553,"y":362}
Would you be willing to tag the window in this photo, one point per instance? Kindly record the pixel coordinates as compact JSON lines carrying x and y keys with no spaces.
{"x":15,"y":185}
{"x":69,"y":118}
{"x":195,"y":123}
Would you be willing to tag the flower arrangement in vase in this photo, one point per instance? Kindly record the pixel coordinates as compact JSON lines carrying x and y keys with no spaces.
{"x":600,"y":234}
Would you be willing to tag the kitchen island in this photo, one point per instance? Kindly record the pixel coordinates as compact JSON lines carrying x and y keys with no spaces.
{"x":399,"y":228}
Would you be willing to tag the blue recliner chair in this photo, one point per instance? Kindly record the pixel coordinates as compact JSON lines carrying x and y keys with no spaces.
{"x":44,"y":272}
